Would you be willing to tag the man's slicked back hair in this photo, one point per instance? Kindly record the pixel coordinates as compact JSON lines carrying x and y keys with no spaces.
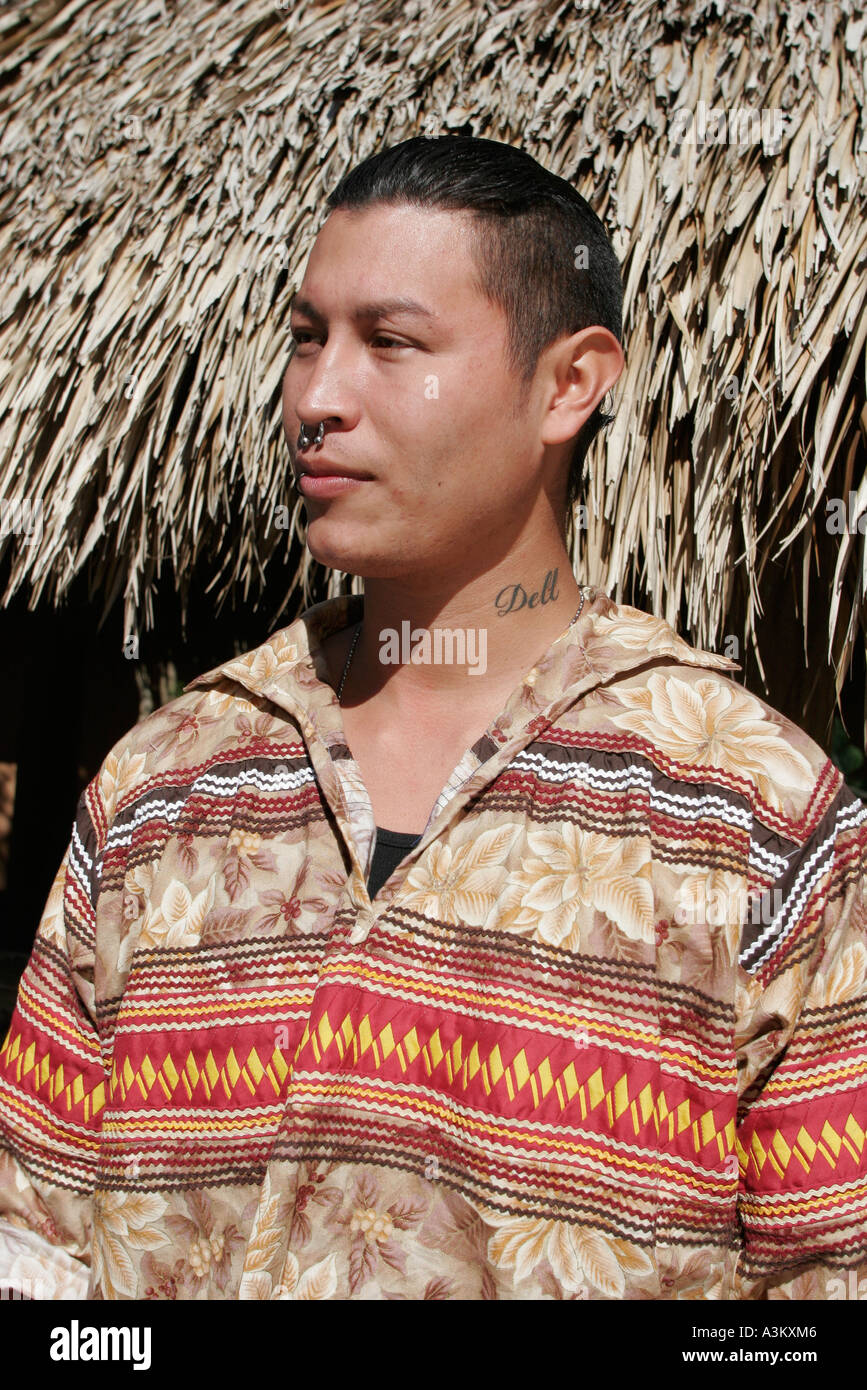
{"x":534,"y":236}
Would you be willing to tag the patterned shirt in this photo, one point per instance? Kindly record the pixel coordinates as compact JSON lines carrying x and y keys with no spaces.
{"x":600,"y":1035}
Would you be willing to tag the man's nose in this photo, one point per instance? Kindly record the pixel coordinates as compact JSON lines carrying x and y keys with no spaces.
{"x":330,"y":389}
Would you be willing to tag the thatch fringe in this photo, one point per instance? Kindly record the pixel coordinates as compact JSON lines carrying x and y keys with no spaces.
{"x":164,"y":169}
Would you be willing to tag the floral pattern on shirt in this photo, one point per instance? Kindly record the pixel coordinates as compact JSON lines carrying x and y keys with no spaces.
{"x":597,"y":1031}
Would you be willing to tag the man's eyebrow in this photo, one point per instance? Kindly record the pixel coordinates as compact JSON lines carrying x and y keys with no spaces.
{"x":383,"y":308}
{"x":401,"y":304}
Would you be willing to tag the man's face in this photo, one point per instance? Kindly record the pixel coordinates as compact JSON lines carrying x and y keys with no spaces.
{"x":418,"y":400}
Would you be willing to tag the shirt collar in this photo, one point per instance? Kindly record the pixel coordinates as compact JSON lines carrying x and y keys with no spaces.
{"x":608,"y":641}
{"x":288,"y":650}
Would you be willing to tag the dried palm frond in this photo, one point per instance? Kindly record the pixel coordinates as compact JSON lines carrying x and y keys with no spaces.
{"x":164,"y":167}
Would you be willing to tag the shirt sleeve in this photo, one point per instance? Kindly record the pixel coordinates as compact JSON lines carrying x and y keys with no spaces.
{"x":53,"y":1089}
{"x":802,"y":1061}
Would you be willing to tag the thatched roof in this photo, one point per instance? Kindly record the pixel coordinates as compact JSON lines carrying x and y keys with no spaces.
{"x":165,"y":168}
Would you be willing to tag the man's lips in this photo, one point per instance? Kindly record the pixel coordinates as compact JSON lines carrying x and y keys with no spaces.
{"x":318,"y":477}
{"x":318,"y":467}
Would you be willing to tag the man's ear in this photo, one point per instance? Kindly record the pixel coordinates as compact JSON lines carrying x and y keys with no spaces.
{"x":581,"y":369}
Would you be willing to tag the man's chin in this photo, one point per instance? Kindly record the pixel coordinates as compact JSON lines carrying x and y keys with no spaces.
{"x":338,"y":548}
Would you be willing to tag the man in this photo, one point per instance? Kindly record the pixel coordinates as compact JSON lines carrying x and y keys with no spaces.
{"x":476,"y":938}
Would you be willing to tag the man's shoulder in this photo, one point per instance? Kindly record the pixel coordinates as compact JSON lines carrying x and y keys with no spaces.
{"x":705,"y":724}
{"x":237,"y":709}
{"x":684,"y":710}
{"x":183,"y":739}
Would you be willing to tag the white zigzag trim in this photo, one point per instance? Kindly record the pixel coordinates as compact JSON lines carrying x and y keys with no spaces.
{"x":777,"y":931}
{"x":847,"y":817}
{"x":78,"y":849}
{"x":151,"y":808}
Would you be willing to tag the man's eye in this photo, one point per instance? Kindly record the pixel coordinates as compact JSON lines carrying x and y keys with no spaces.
{"x":380,"y":340}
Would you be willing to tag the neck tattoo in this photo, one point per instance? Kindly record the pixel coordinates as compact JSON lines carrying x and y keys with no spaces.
{"x":354,"y":644}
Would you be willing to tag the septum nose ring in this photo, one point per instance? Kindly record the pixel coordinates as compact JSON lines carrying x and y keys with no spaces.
{"x":305,"y":439}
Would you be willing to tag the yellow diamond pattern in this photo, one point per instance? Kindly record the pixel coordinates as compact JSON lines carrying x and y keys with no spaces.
{"x":50,"y":1078}
{"x":780,"y":1152}
{"x":351,"y":1042}
{"x":354,"y":1041}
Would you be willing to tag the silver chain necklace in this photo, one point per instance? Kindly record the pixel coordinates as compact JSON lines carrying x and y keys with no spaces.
{"x":348,"y":661}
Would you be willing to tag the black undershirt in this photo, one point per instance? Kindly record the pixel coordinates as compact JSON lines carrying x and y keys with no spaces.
{"x":390,"y":848}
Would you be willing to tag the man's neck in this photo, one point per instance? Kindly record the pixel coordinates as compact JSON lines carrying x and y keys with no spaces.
{"x":422,"y":640}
